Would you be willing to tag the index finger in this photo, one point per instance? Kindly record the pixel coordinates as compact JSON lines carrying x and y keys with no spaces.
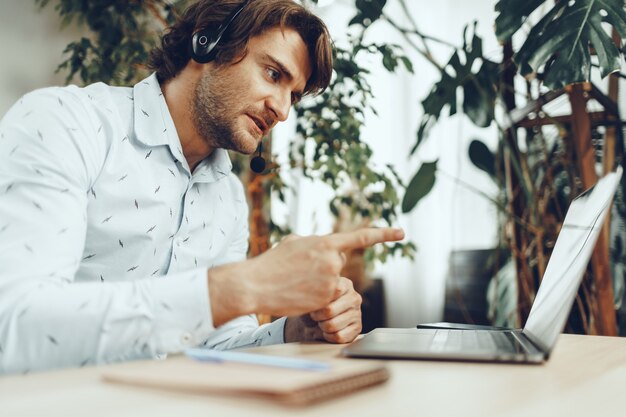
{"x":364,"y":238}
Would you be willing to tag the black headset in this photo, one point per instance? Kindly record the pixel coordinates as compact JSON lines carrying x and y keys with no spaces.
{"x":203,"y":45}
{"x":204,"y":41}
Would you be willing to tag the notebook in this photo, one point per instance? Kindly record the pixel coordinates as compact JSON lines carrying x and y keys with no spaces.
{"x":293,"y":387}
{"x":548,"y":315}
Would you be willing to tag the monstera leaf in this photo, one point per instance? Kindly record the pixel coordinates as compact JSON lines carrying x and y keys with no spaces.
{"x":561,"y":40}
{"x":459,"y":74}
{"x":513,"y":13}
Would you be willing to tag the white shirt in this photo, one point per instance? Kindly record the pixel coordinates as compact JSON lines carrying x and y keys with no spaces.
{"x":105,"y":235}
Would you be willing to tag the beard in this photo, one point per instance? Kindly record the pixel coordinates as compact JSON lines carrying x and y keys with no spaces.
{"x":214,"y":112}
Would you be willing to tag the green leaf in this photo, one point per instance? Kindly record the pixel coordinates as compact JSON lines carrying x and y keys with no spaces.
{"x":390,"y":61}
{"x":564,"y":36}
{"x":427,"y":122}
{"x":368,"y":12}
{"x":442,"y":93}
{"x":479,"y":95}
{"x":482,"y":157}
{"x":513,"y":13}
{"x":391,"y":54}
{"x":488,"y":77}
{"x":479,"y":89}
{"x":531,"y":42}
{"x":419,"y":186}
{"x":608,"y":54}
{"x":407,"y":63}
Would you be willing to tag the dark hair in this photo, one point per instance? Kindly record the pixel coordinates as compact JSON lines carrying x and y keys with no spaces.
{"x":256,"y":17}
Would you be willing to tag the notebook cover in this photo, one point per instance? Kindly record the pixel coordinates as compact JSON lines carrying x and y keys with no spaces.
{"x":288,"y":386}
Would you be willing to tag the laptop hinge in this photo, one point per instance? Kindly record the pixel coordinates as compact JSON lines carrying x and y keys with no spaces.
{"x":532,"y":348}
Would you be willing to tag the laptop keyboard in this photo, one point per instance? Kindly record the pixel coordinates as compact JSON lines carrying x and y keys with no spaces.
{"x":468,"y":340}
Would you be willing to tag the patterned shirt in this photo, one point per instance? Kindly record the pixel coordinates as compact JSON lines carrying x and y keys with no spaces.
{"x":106,"y":235}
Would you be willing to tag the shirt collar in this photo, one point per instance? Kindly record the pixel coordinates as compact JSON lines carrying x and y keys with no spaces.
{"x":154,"y":127}
{"x":216,"y":166}
{"x":153,"y":123}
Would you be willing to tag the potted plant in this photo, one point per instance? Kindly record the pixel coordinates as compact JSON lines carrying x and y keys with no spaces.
{"x":537,"y":181}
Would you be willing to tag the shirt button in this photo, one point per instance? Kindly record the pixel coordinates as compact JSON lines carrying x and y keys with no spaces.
{"x":185,"y":339}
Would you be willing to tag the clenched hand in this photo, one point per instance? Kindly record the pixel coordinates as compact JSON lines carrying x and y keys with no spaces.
{"x":298,"y":276}
{"x":338,"y":322}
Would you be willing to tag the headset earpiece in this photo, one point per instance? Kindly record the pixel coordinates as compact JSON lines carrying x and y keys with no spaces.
{"x":204,"y":41}
{"x":203,"y":47}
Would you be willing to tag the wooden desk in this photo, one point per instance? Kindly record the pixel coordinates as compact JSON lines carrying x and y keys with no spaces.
{"x":586,"y":376}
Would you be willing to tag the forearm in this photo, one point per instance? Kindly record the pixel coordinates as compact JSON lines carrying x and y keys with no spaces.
{"x":46,"y":323}
{"x":230,"y":292}
{"x":232,"y":298}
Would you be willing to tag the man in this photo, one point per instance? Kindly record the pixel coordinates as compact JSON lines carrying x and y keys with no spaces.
{"x":123,"y":232}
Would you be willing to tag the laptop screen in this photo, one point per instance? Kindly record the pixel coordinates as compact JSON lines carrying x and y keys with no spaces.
{"x":568,"y":262}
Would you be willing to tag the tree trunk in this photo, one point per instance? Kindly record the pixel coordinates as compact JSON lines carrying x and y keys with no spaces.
{"x":259,"y":229}
{"x":517,"y":203}
{"x":602,"y":307}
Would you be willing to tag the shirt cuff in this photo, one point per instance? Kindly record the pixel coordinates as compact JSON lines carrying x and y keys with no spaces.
{"x":275,"y":332}
{"x":182,"y":315}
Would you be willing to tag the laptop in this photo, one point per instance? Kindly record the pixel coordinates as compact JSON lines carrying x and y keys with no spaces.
{"x":547,"y":317}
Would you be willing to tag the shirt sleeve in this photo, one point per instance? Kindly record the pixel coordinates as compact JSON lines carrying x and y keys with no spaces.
{"x":51,"y":150}
{"x":243,"y":331}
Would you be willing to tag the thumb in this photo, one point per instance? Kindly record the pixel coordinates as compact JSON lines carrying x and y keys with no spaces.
{"x":343,"y":286}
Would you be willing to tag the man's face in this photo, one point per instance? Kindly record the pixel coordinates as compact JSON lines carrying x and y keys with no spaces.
{"x":235,"y":106}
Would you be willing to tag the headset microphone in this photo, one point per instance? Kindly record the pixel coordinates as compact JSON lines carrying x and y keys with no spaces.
{"x":257,"y":164}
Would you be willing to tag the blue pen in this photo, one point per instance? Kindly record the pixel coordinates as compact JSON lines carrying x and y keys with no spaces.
{"x":256,"y":359}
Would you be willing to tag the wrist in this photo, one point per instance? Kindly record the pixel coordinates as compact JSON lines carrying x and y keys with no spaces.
{"x":297,"y":329}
